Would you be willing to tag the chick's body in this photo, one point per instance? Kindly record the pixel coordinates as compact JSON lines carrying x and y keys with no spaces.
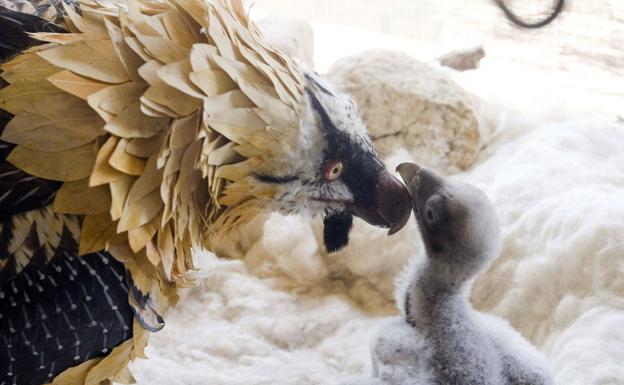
{"x":466,"y":349}
{"x":439,"y":339}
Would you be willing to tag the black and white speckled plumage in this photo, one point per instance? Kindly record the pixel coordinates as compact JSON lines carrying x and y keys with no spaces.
{"x":14,"y":26}
{"x":19,"y":191}
{"x":57,"y":315}
{"x":57,"y":309}
{"x":48,"y":10}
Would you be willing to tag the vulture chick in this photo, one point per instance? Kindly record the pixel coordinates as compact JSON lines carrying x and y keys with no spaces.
{"x":440,"y":338}
{"x":133,"y":132}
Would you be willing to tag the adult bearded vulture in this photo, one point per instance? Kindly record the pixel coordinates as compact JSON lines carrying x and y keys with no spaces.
{"x":133,"y":132}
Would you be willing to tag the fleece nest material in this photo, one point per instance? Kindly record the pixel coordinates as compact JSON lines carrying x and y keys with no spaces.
{"x":289,"y":314}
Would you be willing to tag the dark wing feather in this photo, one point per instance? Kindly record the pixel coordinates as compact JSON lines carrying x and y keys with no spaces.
{"x":51,"y":10}
{"x":20,"y":191}
{"x":14,"y":28}
{"x":21,"y":194}
{"x":58,"y":314}
{"x":57,"y":309}
{"x":41,"y":272}
{"x":24,"y":218}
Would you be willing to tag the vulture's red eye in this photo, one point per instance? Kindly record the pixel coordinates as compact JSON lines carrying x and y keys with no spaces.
{"x":332,"y":170}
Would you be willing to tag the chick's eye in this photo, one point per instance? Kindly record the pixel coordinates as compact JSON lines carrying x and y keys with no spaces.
{"x":430,"y":214}
{"x":332,"y":170}
{"x":435,"y":211}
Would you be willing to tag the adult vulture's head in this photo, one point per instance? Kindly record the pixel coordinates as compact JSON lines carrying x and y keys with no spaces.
{"x":336,"y":170}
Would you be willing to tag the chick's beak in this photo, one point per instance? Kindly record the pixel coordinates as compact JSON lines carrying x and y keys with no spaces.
{"x":421,"y":182}
{"x":392,"y":204}
{"x":409,"y":172}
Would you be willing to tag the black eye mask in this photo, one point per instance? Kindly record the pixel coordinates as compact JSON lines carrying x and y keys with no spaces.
{"x":337,"y":227}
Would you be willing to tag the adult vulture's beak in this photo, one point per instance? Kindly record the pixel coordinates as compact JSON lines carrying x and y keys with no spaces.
{"x":391,"y":206}
{"x":388,"y":204}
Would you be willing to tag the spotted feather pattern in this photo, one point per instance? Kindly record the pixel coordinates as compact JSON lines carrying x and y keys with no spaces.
{"x":57,"y":315}
{"x":21,"y":192}
{"x":49,"y":10}
{"x":57,"y":309}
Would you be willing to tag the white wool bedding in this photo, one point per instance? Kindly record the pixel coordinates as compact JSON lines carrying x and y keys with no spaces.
{"x":289,"y":314}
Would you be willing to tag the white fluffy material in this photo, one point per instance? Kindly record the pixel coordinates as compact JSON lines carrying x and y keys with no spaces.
{"x":289,"y":314}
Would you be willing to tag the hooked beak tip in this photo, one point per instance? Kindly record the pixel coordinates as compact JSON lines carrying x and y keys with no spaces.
{"x":392,"y":204}
{"x":395,"y":203}
{"x":394,"y":229}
